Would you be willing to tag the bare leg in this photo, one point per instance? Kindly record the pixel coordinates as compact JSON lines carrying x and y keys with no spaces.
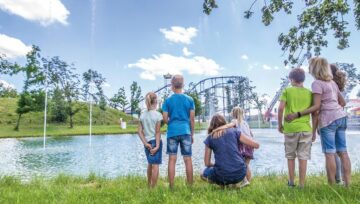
{"x":291,"y":169}
{"x":154,"y":175}
{"x":171,"y":170}
{"x":189,"y":170}
{"x":346,"y":165}
{"x":330,"y":167}
{"x":248,"y":172}
{"x":302,"y":172}
{"x":338,"y":169}
{"x":149,"y":175}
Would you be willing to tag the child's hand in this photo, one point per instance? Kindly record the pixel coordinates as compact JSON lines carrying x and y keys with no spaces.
{"x":148,"y":146}
{"x":154,"y":150}
{"x":291,"y":117}
{"x":314,"y":137}
{"x":280,"y":128}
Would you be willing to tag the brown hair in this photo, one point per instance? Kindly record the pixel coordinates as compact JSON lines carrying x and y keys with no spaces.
{"x":297,"y":74}
{"x":319,"y":68}
{"x":238,"y":114}
{"x":216,"y":121}
{"x":150,"y":100}
{"x":339,"y":77}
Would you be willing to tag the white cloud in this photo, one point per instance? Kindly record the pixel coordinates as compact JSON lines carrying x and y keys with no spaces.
{"x":266,"y":67}
{"x":244,"y":57}
{"x":276,"y":67}
{"x":44,"y":11}
{"x":179,"y":34}
{"x":159,"y":65}
{"x":186,"y":52}
{"x":6,"y":84}
{"x":12,"y":47}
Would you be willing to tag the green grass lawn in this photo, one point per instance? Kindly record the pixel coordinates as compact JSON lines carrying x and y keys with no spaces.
{"x":264,"y":189}
{"x":7,"y":131}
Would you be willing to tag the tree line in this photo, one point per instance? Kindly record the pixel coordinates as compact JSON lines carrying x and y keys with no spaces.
{"x":66,"y":88}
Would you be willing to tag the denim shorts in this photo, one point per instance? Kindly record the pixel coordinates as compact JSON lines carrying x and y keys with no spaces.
{"x":210,"y":174}
{"x":157,"y":157}
{"x":185,"y":145}
{"x":333,"y":138}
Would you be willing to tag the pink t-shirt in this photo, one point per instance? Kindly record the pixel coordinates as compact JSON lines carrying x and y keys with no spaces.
{"x":330,"y":109}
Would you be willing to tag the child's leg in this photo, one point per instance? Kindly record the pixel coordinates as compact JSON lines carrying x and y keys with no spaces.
{"x":189,"y":170}
{"x":291,"y":169}
{"x":154,"y":174}
{"x":248,"y":172}
{"x":302,"y":172}
{"x":338,"y":169}
{"x":171,"y":169}
{"x":149,"y":174}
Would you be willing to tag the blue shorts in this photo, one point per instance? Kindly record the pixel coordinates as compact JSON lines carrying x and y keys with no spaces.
{"x":333,"y":138}
{"x":210,"y":174}
{"x":185,"y":145}
{"x":157,"y":157}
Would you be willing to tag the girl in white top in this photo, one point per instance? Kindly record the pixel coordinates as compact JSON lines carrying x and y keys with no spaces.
{"x":150,"y":135}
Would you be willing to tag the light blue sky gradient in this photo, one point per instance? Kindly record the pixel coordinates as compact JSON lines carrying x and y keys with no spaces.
{"x":128,"y":30}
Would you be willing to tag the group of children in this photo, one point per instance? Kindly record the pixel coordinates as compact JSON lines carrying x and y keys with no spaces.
{"x":232,"y":144}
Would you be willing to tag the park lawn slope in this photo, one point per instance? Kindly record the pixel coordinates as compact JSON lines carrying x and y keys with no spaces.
{"x":264,"y":189}
{"x":8,"y":115}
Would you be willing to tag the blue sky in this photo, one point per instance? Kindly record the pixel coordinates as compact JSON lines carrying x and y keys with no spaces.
{"x":135,"y":40}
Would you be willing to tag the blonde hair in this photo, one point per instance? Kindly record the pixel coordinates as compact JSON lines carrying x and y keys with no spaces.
{"x":339,"y":77}
{"x":150,"y":100}
{"x":238,"y":114}
{"x":319,"y":68}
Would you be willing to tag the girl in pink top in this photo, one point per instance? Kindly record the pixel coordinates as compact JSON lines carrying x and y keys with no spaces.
{"x":327,"y":99}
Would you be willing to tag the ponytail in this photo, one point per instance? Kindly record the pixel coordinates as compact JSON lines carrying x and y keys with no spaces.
{"x":339,"y":77}
{"x":150,"y":100}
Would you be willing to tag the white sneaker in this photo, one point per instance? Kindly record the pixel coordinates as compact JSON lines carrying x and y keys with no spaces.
{"x":241,"y":184}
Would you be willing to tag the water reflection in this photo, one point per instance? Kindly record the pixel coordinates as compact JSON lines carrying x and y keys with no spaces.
{"x":113,"y":156}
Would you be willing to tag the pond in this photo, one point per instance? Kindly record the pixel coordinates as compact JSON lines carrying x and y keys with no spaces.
{"x":116,"y":155}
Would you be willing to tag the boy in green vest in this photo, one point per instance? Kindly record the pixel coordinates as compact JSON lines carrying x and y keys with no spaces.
{"x":297,"y":133}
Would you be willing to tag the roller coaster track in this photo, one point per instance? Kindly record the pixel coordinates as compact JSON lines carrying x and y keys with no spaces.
{"x":201,"y":86}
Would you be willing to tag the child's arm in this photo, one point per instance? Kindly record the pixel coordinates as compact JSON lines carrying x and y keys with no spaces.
{"x":229,"y":125}
{"x":192,"y":124}
{"x":281,"y":115}
{"x":341,"y":100}
{"x":249,"y":141}
{"x":207,"y":157}
{"x":315,"y":121}
{"x":165,"y":117}
{"x":157,"y":138}
{"x":315,"y":107}
{"x":142,"y":136}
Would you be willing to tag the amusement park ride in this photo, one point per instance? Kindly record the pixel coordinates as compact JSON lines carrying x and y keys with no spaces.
{"x":214,"y":88}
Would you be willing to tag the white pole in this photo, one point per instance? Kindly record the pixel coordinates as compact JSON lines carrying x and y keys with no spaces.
{"x":45,"y":111}
{"x":259,"y":119}
{"x":90,"y":126}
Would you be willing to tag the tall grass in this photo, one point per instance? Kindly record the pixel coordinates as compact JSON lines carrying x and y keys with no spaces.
{"x":133,"y":189}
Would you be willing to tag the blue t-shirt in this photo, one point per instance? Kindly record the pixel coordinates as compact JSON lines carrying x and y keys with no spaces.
{"x":178,"y":107}
{"x":229,"y":163}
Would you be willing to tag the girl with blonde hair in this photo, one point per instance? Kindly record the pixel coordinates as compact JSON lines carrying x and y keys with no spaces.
{"x":332,"y":122}
{"x":150,"y":136}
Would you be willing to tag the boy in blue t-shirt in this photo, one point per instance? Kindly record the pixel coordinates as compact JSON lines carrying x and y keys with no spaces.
{"x":179,"y":114}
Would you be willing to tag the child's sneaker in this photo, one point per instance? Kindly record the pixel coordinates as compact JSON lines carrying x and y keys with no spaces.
{"x":241,"y":184}
{"x":291,"y":184}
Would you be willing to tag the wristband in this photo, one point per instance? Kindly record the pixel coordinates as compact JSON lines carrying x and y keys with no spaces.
{"x":298,"y":114}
